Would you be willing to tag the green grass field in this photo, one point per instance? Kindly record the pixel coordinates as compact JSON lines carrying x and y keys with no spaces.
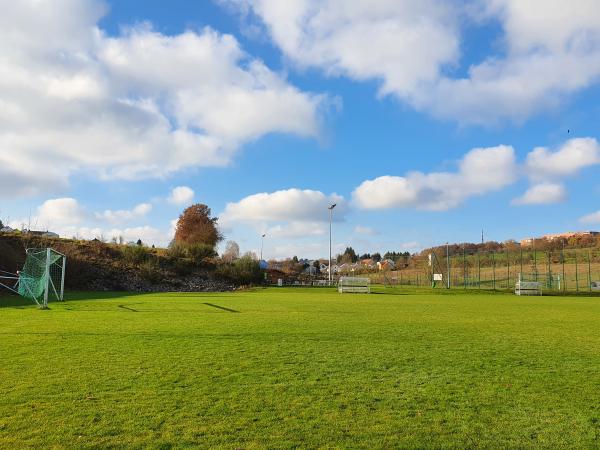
{"x":289,"y":368}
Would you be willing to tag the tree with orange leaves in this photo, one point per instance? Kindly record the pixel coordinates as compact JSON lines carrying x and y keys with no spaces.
{"x":196,"y":226}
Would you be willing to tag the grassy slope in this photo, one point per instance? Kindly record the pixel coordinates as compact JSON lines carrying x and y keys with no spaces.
{"x":302,"y":368}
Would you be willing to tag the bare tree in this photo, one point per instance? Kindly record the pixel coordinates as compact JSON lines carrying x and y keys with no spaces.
{"x":232,"y":251}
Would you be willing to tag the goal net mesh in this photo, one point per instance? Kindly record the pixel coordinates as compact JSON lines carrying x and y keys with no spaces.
{"x":42,"y":275}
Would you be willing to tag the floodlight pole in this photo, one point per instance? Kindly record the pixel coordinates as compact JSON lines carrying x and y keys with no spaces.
{"x":330,"y":220}
{"x":262,"y":243}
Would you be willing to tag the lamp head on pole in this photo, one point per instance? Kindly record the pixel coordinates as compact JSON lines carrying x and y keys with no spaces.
{"x":332,"y":206}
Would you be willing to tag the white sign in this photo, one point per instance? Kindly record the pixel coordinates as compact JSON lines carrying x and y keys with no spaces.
{"x":437,"y":277}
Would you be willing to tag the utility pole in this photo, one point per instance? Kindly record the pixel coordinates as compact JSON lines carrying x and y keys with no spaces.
{"x":330,"y":208}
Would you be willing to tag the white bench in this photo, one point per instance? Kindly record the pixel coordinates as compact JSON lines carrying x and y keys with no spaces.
{"x":528,"y":288}
{"x":354,"y":285}
{"x":595,"y":286}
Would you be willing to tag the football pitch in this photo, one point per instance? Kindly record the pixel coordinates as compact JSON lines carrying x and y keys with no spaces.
{"x":301,"y":368}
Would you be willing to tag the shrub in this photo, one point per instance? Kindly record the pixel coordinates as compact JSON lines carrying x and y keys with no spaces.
{"x":199,"y":253}
{"x":134,"y":254}
{"x":176,"y":250}
{"x":244,"y":270}
{"x":150,"y":271}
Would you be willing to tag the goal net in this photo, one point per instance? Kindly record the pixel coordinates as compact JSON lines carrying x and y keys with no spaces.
{"x":43,"y":276}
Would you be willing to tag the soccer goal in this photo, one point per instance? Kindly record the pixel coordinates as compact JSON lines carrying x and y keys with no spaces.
{"x":42,"y":276}
{"x":523,"y":287}
{"x":352,"y":284}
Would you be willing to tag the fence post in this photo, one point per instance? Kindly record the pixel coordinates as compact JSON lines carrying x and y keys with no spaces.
{"x":549,"y":275}
{"x":464,"y":268}
{"x":448,"y":264}
{"x":576,"y":274}
{"x":589,"y":273}
{"x":507,"y":269}
{"x":521,"y":261}
{"x":493,"y":271}
{"x":535,"y":261}
{"x":562,"y":259}
{"x":478,"y":270}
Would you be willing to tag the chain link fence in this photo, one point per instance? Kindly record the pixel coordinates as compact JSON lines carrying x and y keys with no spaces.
{"x":576,"y":270}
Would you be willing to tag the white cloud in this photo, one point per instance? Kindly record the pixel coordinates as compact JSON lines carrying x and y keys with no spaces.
{"x":480,"y":171}
{"x":296,"y":229}
{"x":359,"y":229}
{"x":291,"y":205}
{"x":593,"y":218}
{"x":542,"y":194}
{"x":181,"y":195}
{"x":401,"y":43}
{"x":411,"y":246}
{"x":59,"y":212}
{"x":124,"y":215}
{"x":142,"y":104}
{"x":68,"y":218}
{"x":544,"y":53}
{"x":149,"y":235}
{"x":302,"y":250}
{"x":570,"y":158}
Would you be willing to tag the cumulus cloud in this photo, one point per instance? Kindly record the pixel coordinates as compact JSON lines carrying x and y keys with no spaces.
{"x":141,"y":104}
{"x":297,"y":229}
{"x":59,"y":212}
{"x":359,"y":229}
{"x":480,"y":171}
{"x":411,"y":48}
{"x":593,"y":218}
{"x":546,"y":167}
{"x":181,"y":195}
{"x":124,"y":215}
{"x":291,"y":205}
{"x":542,"y":194}
{"x":68,"y":218}
{"x":573,"y":156}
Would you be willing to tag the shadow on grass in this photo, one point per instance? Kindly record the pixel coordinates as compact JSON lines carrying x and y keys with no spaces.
{"x":221,"y":307}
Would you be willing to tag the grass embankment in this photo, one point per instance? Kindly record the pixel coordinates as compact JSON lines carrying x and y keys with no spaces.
{"x":286,"y":368}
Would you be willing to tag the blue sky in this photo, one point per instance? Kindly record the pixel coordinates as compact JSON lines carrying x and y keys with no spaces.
{"x":425,"y":123}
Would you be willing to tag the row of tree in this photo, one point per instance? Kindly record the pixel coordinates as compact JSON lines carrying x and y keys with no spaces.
{"x":350,"y":256}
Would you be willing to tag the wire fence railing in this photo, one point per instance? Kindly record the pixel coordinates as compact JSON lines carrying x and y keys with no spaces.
{"x":576,"y":270}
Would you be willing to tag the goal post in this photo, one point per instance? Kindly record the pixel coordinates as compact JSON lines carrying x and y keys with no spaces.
{"x":354,"y":285}
{"x":43,"y":276}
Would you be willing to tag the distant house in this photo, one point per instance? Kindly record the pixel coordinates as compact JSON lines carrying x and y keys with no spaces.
{"x":386,"y":264}
{"x":6,"y":230}
{"x":310,"y":270}
{"x":551,"y":237}
{"x":367,"y":263}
